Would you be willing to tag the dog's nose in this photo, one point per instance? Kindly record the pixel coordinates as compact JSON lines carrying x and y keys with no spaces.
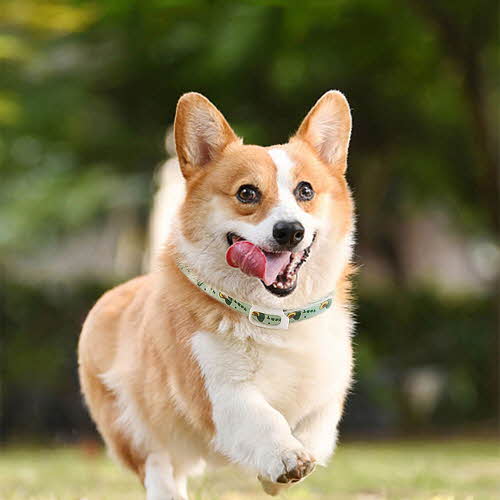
{"x":288,"y":234}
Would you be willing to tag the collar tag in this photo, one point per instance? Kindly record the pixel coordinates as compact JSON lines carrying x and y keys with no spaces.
{"x":268,"y":318}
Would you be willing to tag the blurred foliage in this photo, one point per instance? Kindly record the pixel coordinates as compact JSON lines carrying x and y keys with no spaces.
{"x":398,"y":333}
{"x":88,"y":89}
{"x":40,"y":390}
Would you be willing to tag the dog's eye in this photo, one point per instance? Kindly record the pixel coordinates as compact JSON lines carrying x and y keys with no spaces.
{"x":304,"y":191}
{"x":248,"y":194}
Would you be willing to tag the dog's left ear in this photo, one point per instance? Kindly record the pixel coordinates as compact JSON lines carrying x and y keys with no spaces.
{"x":327,"y":128}
{"x":201,"y":132}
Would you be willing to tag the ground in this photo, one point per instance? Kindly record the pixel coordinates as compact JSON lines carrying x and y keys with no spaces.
{"x":437,"y":470}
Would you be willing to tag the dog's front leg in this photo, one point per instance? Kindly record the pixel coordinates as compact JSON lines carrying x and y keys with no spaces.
{"x":252,"y":433}
{"x":248,"y":430}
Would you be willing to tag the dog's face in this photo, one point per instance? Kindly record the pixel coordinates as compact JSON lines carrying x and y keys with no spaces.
{"x":289,"y":201}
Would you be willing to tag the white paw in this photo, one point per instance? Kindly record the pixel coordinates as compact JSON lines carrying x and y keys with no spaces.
{"x":290,"y":466}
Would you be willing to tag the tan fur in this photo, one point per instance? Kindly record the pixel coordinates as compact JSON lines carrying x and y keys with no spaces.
{"x":136,"y":341}
{"x":132,"y":333}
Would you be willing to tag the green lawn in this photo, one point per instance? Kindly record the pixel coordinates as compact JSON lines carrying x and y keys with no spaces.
{"x":441,"y":470}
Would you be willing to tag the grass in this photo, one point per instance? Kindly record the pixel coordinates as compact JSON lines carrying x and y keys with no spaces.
{"x":438,"y":470}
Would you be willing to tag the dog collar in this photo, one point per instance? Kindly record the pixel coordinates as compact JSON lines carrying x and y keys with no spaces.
{"x":258,"y":315}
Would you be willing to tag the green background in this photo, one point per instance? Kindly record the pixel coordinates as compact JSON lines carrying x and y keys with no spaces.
{"x":87,"y":92}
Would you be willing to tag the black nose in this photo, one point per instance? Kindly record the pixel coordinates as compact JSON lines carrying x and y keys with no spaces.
{"x":288,"y":234}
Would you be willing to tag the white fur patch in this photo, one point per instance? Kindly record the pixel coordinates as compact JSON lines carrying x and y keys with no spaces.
{"x":159,"y":479}
{"x":288,"y":208}
{"x":248,"y":430}
{"x":284,"y":164}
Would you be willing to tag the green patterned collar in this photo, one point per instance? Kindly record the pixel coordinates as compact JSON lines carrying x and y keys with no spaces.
{"x":259,"y":315}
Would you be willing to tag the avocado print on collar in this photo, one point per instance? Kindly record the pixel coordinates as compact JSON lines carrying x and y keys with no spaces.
{"x":272,"y":319}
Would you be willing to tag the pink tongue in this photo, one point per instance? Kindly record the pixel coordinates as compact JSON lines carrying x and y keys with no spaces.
{"x":253,"y":261}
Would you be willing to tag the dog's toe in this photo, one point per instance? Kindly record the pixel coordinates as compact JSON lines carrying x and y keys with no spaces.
{"x":303,"y":467}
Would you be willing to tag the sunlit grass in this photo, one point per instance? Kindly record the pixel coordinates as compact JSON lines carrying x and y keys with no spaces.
{"x":456,"y":470}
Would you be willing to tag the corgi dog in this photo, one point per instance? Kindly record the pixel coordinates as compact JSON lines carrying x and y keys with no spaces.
{"x":236,"y":347}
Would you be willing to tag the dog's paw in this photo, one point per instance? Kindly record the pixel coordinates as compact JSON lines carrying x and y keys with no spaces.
{"x":297,"y":468}
{"x":291,"y":467}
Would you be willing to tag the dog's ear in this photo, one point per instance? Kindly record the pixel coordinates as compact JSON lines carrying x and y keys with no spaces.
{"x":327,"y":128}
{"x":201,"y":132}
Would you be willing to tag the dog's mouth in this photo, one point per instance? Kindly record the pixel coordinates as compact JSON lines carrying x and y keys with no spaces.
{"x":277,"y":270}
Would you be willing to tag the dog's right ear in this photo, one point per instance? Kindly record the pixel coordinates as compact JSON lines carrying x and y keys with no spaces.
{"x":201,"y":132}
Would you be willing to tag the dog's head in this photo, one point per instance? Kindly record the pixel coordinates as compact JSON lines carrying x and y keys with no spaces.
{"x":289,"y":203}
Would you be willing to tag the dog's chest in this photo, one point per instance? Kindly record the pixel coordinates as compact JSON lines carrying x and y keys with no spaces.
{"x":310,"y":367}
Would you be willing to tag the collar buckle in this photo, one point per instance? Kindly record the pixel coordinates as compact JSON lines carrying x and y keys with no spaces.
{"x":264,"y":317}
